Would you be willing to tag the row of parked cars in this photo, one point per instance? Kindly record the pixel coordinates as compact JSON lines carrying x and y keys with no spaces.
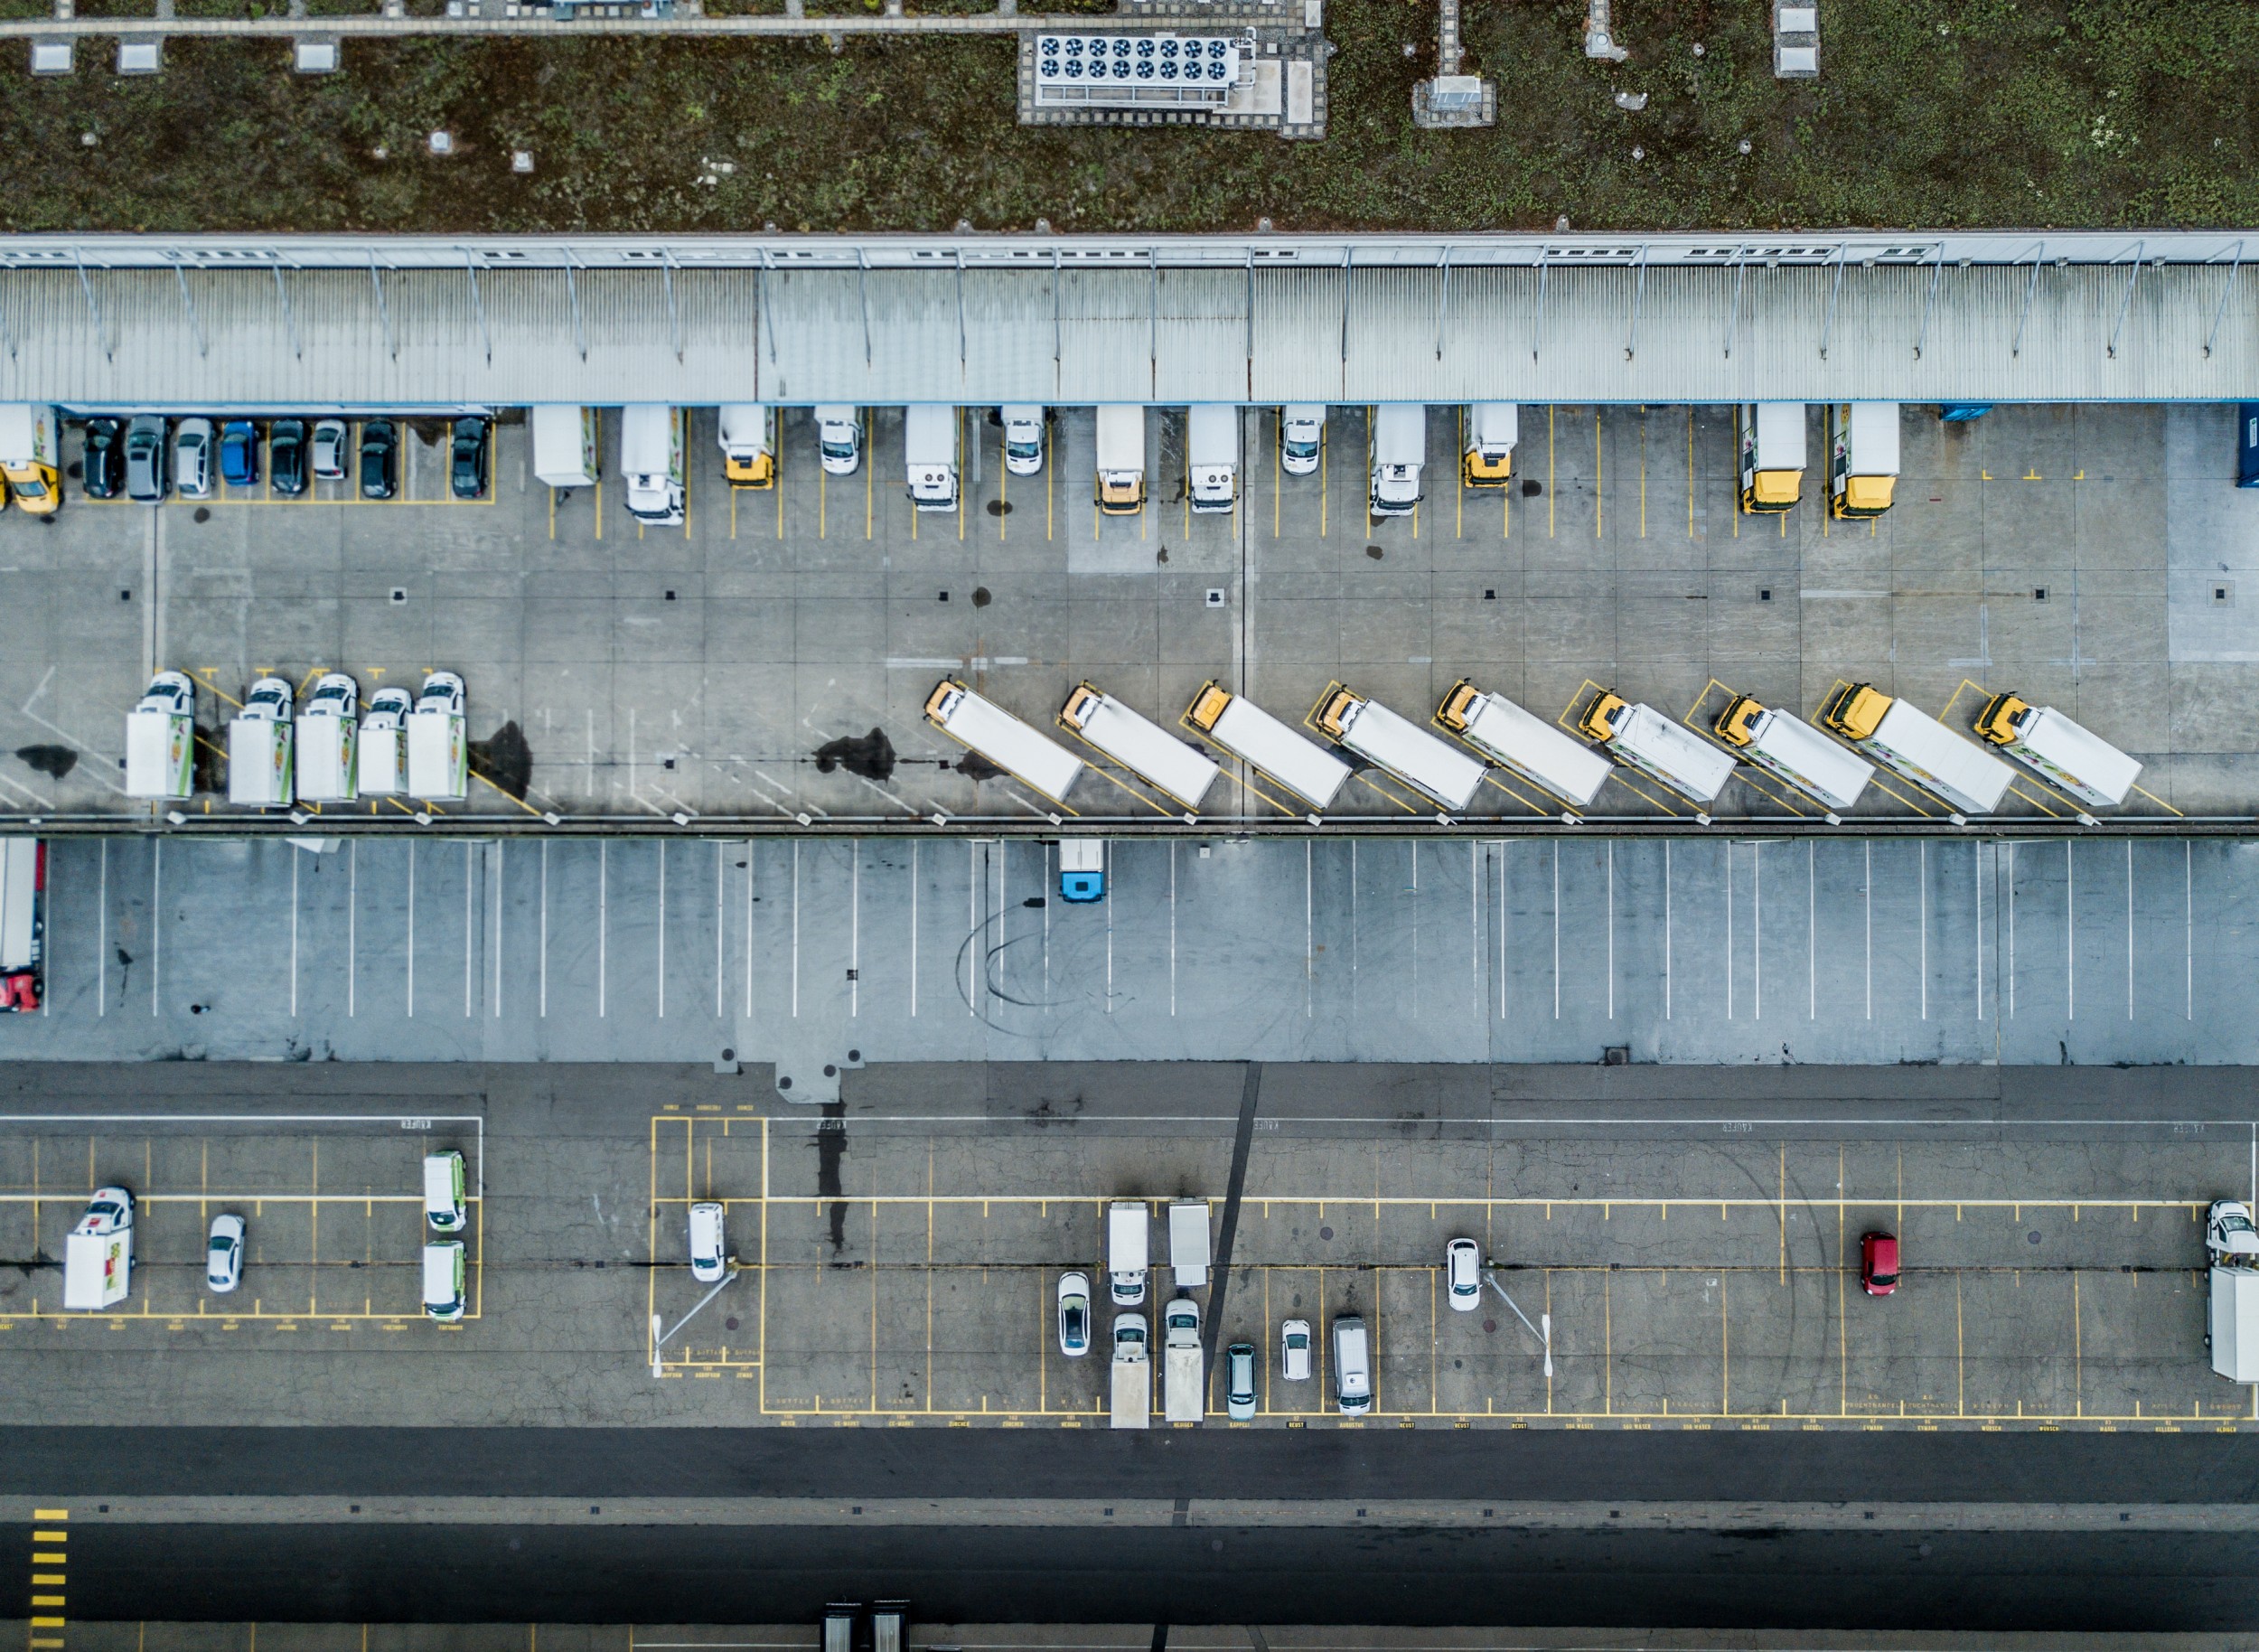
{"x":149,"y":457}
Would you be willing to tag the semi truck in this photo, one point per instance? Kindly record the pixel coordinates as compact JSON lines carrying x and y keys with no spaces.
{"x":1639,"y":736}
{"x":651,"y":453}
{"x":1913,"y":743}
{"x":29,"y":455}
{"x":2051,"y":745}
{"x":1212,"y":457}
{"x":564,"y":446}
{"x":1793,"y":750}
{"x":929,"y":454}
{"x":1398,"y":449}
{"x":1530,"y":747}
{"x":98,"y":1257}
{"x":1133,"y":1374}
{"x":748,"y":441}
{"x":1268,"y":745}
{"x":1862,"y":456}
{"x":328,"y":730}
{"x":1491,"y":429}
{"x":1120,"y":460}
{"x":1035,"y":760}
{"x":1419,"y":759}
{"x":1183,"y":1398}
{"x":161,"y":739}
{"x":1140,"y":745}
{"x":22,"y":925}
{"x":1770,"y":435}
{"x":1128,"y":1237}
{"x":259,"y":748}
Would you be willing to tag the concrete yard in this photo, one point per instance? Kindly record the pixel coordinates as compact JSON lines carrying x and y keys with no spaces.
{"x":2094,"y":557}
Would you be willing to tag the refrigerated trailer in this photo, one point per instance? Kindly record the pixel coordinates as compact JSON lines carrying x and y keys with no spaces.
{"x":438,"y":744}
{"x":1140,"y":745}
{"x":2045,"y":741}
{"x":1255,"y":738}
{"x":1120,"y":460}
{"x":1184,"y":1393}
{"x":1188,"y":1242}
{"x":328,"y":734}
{"x":260,"y":746}
{"x":1398,"y":450}
{"x":1532,"y":749}
{"x":1793,"y":750}
{"x":929,"y":454}
{"x":1129,"y":1237}
{"x":1037,"y":760}
{"x":1916,"y":744}
{"x":564,"y":446}
{"x":1639,"y":736}
{"x":1421,"y":760}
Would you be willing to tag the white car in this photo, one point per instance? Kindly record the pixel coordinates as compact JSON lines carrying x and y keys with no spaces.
{"x":1294,"y":1351}
{"x":1075,"y":1315}
{"x":2227,"y":1229}
{"x":709,"y":1259}
{"x":1463,"y":1271}
{"x":1301,"y":432}
{"x":223,"y":1254}
{"x":1023,"y":439}
{"x":840,"y":439}
{"x":192,"y":458}
{"x":330,"y":448}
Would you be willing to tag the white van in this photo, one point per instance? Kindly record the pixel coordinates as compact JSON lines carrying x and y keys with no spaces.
{"x":1140,"y":745}
{"x":2045,"y":741}
{"x":443,"y":1191}
{"x":1301,"y":437}
{"x":1491,"y":429}
{"x":748,"y":443}
{"x":709,"y":1250}
{"x":1211,"y":456}
{"x":1534,"y":749}
{"x":564,"y":446}
{"x":1641,"y":737}
{"x":1257,"y":739}
{"x":1035,"y":759}
{"x":327,"y":729}
{"x":1419,"y":759}
{"x":1398,"y":450}
{"x":840,"y":439}
{"x":161,"y":739}
{"x":1353,"y":1365}
{"x":1023,"y":439}
{"x":444,"y":1298}
{"x":1771,"y":438}
{"x":1793,"y":750}
{"x":259,"y":748}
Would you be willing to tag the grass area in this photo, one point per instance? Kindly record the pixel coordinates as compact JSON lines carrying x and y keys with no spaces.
{"x":1933,"y":112}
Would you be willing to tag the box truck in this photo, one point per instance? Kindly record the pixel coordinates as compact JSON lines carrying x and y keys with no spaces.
{"x":1862,"y":456}
{"x":1770,"y":435}
{"x":1419,"y":759}
{"x":1793,"y":750}
{"x":98,"y":1257}
{"x":1120,"y":460}
{"x":1081,"y":870}
{"x":1140,"y":745}
{"x":2043,"y":739}
{"x":1918,"y":747}
{"x":1261,"y":741}
{"x":1530,"y":747}
{"x":259,"y":748}
{"x":1133,"y":1374}
{"x":1183,"y":1396}
{"x":438,"y":750}
{"x":1126,"y":1225}
{"x":328,"y":769}
{"x":1399,"y":447}
{"x":161,"y":739}
{"x":1211,"y":456}
{"x":29,"y":456}
{"x":564,"y":446}
{"x":1037,"y":760}
{"x":749,"y":445}
{"x":22,"y":924}
{"x":1491,"y":429}
{"x":1641,"y":737}
{"x":929,"y":452}
{"x":1188,"y":1242}
{"x":2231,"y":1322}
{"x":383,"y":742}
{"x":651,"y":453}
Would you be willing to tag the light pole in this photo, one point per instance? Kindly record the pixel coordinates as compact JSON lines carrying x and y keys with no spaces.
{"x":658,"y":1338}
{"x":1545,"y":1336}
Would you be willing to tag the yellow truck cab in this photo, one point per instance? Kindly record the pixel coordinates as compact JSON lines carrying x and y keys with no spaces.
{"x":748,"y":443}
{"x":1491,"y":430}
{"x":1770,"y":438}
{"x":28,"y":454}
{"x":1862,"y":457}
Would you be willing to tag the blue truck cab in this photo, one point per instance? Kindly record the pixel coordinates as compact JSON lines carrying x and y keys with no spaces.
{"x":1081,"y":870}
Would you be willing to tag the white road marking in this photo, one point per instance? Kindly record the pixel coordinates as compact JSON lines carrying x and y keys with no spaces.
{"x":1172,"y":924}
{"x":545,"y":928}
{"x":795,"y":928}
{"x":352,"y":923}
{"x":721,"y":925}
{"x":913,"y":927}
{"x":1922,"y":898}
{"x":1474,"y":927}
{"x":751,"y":853}
{"x":2070,"y":926}
{"x":1557,"y":929}
{"x":2129,"y":929}
{"x":1812,"y":933}
{"x":501,"y":845}
{"x":1107,"y":852}
{"x":411,"y":929}
{"x":1310,"y":933}
{"x":295,"y":853}
{"x":662,"y":929}
{"x":604,"y":923}
{"x":1867,"y":899}
{"x":974,"y":972}
{"x":1415,"y":928}
{"x":470,"y":911}
{"x":1666,"y":930}
{"x":1976,"y":884}
{"x":2011,"y":929}
{"x":1611,"y":910}
{"x":855,"y":927}
{"x":102,"y":939}
{"x":1757,"y":929}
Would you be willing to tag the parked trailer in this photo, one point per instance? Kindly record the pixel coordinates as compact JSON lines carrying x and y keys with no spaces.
{"x":2231,"y":1322}
{"x":1862,"y":456}
{"x":1140,"y":745}
{"x":1418,"y":759}
{"x":1256,"y":737}
{"x":383,"y":741}
{"x":1491,"y":429}
{"x":22,"y":924}
{"x":1129,"y":1236}
{"x":2043,"y":739}
{"x":1793,"y":750}
{"x":1120,"y":460}
{"x":1398,"y":449}
{"x":564,"y":446}
{"x":1918,"y":746}
{"x":1035,"y":759}
{"x":438,"y":749}
{"x":29,"y":455}
{"x":1211,"y":456}
{"x":260,"y":746}
{"x":929,"y":452}
{"x":1639,"y":736}
{"x":1771,"y":439}
{"x":1531,"y":747}
{"x":161,"y":739}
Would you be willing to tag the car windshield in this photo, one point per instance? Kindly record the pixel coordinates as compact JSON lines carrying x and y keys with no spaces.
{"x":2236,"y":1222}
{"x":220,"y":1243}
{"x":844,"y":449}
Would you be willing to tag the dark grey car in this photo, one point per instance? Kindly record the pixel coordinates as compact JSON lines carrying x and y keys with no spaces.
{"x":145,"y":459}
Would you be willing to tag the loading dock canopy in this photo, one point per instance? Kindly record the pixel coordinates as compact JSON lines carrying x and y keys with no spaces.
{"x":222,"y":322}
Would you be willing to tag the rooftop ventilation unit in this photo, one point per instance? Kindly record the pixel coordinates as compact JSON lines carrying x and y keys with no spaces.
{"x":1129,"y":71}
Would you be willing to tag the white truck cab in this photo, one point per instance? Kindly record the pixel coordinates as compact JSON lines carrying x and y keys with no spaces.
{"x":438,"y":750}
{"x":327,"y":730}
{"x":1128,"y":1237}
{"x":1398,"y":450}
{"x":840,"y":439}
{"x":929,"y":454}
{"x":651,"y":453}
{"x":161,"y":739}
{"x":1301,"y":437}
{"x":259,"y":748}
{"x":1023,"y":439}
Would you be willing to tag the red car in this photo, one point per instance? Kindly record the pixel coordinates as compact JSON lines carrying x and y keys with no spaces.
{"x":1879,"y":1263}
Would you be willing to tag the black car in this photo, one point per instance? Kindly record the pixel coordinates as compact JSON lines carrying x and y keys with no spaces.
{"x":104,"y":470}
{"x":466,"y":476}
{"x":380,"y":459}
{"x":287,"y":456}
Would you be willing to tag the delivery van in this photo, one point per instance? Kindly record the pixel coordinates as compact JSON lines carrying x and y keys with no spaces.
{"x":929,"y":452}
{"x":259,"y":748}
{"x":1183,"y":1390}
{"x":1793,"y":750}
{"x":1420,"y":760}
{"x":1211,"y":456}
{"x":443,"y":1280}
{"x":1272,"y":749}
{"x":328,"y":772}
{"x":1035,"y":760}
{"x":1641,"y":737}
{"x":161,"y":739}
{"x":564,"y":446}
{"x":1398,"y":449}
{"x":443,"y":1191}
{"x":1530,"y":747}
{"x":1862,"y":456}
{"x":383,"y":742}
{"x":748,"y":441}
{"x":1188,"y":1242}
{"x":1128,"y":1234}
{"x":97,"y":1258}
{"x":1132,"y":1396}
{"x":1140,"y":745}
{"x":1353,"y":1365}
{"x":1301,"y":437}
{"x":1770,"y":435}
{"x":1491,"y":429}
{"x":838,"y":439}
{"x":1023,"y":438}
{"x":2045,"y":741}
{"x":1916,"y":744}
{"x":438,"y":749}
{"x":1120,"y":460}
{"x":651,"y":453}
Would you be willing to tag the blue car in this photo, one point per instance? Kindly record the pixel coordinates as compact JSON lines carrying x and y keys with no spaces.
{"x":238,"y":453}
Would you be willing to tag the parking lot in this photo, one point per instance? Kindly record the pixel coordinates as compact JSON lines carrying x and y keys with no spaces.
{"x":2050,"y":1276}
{"x":734,"y":668}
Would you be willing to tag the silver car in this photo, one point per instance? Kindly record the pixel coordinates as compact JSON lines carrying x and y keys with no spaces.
{"x":330,"y":449}
{"x":192,"y":458}
{"x":145,"y":459}
{"x":1239,"y":1382}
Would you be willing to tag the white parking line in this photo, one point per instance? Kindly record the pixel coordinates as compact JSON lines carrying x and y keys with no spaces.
{"x":1812,"y":933}
{"x":1557,"y":929}
{"x":352,"y":924}
{"x":795,"y":927}
{"x":662,"y":929}
{"x":156,"y":927}
{"x":1611,"y":929}
{"x":1922,"y":898}
{"x":2070,"y":927}
{"x":855,"y":929}
{"x":2188,"y":910}
{"x":721,"y":925}
{"x":1172,"y":926}
{"x":2129,"y":929}
{"x":545,"y":929}
{"x":501,"y":846}
{"x":1729,"y":846}
{"x":295,"y":853}
{"x":1666,"y":930}
{"x":604,"y":923}
{"x":411,"y":929}
{"x":102,"y":939}
{"x":470,"y":975}
{"x":1867,"y":900}
{"x":914,"y":928}
{"x":2011,"y":930}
